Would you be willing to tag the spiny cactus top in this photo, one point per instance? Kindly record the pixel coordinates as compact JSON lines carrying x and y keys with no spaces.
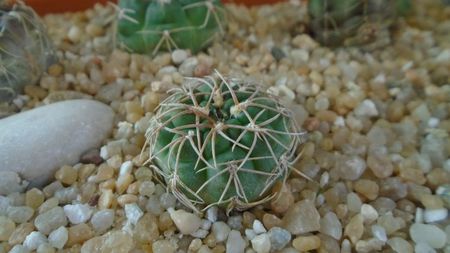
{"x":222,"y":142}
{"x":25,"y":49}
{"x":149,"y":26}
{"x":354,"y":22}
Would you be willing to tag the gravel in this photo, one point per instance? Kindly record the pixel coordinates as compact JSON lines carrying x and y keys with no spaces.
{"x":376,"y":150}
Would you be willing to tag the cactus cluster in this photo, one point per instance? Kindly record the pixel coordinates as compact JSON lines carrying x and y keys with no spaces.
{"x":150,"y":26}
{"x":354,"y":22}
{"x":220,"y":141}
{"x":25,"y":49}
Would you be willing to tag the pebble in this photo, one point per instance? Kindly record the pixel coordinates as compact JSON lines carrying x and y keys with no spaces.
{"x":19,"y":249}
{"x":429,"y":234}
{"x":178,"y":56}
{"x":379,"y":233}
{"x":400,"y":245}
{"x":212,"y":213}
{"x":146,"y":229}
{"x":133,"y":213}
{"x":351,"y":167}
{"x":78,"y":234}
{"x":367,"y":108}
{"x":186,"y":222}
{"x":35,"y":143}
{"x":367,"y":188}
{"x":50,"y":220}
{"x":20,"y":214}
{"x":187,"y":68}
{"x":115,"y":241}
{"x":423,"y":248}
{"x":330,"y":225}
{"x":435,"y":215}
{"x":58,"y":237}
{"x":102,"y":220}
{"x":369,"y":213}
{"x":258,"y":227}
{"x":306,"y":243}
{"x":279,"y":238}
{"x":34,"y":239}
{"x":220,"y":230}
{"x":45,"y":248}
{"x":355,"y":228}
{"x":78,"y":213}
{"x":302,"y":217}
{"x":235,"y":243}
{"x":164,"y":246}
{"x":7,"y":227}
{"x":391,"y":223}
{"x":261,"y":243}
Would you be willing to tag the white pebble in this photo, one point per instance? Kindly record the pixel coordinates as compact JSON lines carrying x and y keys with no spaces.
{"x":366,"y":109}
{"x":369,"y":213}
{"x":235,"y":242}
{"x":126,"y":168}
{"x":429,"y":234}
{"x":102,"y":220}
{"x":433,"y":122}
{"x":250,"y":234}
{"x":58,"y":237}
{"x":206,"y":224}
{"x":186,"y":222}
{"x":211,"y":213}
{"x":258,"y":227}
{"x":45,"y":248}
{"x":422,"y":247}
{"x":201,"y":233}
{"x":178,"y":56}
{"x":261,"y":243}
{"x":133,"y":213}
{"x":379,"y":233}
{"x":220,"y":231}
{"x":435,"y":215}
{"x":419,"y":215}
{"x":19,"y":249}
{"x":34,"y":239}
{"x":74,"y":34}
{"x":78,"y":213}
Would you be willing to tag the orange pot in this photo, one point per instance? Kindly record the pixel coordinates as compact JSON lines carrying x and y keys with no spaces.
{"x":58,"y":6}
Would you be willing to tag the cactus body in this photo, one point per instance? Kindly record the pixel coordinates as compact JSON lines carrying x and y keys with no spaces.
{"x":149,"y":26}
{"x":354,"y":22}
{"x":222,"y":143}
{"x":25,"y":49}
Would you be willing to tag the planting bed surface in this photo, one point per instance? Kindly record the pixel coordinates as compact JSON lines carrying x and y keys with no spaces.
{"x":377,"y":148}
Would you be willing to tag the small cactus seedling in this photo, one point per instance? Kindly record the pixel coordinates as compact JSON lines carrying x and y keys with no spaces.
{"x":222,"y":142}
{"x":354,"y":22}
{"x":149,"y":26}
{"x":25,"y":49}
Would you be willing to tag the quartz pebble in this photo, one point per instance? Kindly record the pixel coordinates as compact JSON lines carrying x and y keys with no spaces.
{"x":34,"y":239}
{"x":58,"y":237}
{"x":429,"y":234}
{"x":34,"y":143}
{"x":301,"y":218}
{"x":19,"y":249}
{"x":102,"y":220}
{"x":220,"y":230}
{"x":261,"y":243}
{"x":258,"y":227}
{"x":330,"y":225}
{"x":7,"y":227}
{"x":435,"y":215}
{"x":78,"y":213}
{"x":368,"y":213}
{"x":186,"y":222}
{"x":133,"y":213}
{"x":279,"y":238}
{"x":355,"y":228}
{"x":50,"y":220}
{"x":235,"y":243}
{"x":20,"y":214}
{"x":306,"y":243}
{"x":400,"y":245}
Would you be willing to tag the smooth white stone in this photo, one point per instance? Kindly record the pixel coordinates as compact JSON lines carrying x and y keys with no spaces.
{"x":36,"y":143}
{"x":435,"y":215}
{"x":429,"y":234}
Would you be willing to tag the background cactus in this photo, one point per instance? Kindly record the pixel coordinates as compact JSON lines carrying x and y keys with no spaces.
{"x":25,"y":49}
{"x":222,"y":143}
{"x":148,"y":26}
{"x":354,"y":22}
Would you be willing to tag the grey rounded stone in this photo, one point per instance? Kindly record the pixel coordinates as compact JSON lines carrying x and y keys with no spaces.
{"x":37,"y":142}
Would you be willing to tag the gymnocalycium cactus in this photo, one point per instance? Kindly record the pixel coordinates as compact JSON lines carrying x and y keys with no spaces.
{"x":354,"y":22}
{"x":25,"y":49}
{"x":148,"y":26}
{"x":218,"y":141}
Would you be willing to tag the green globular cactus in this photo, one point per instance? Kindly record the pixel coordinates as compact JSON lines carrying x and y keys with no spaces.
{"x":218,"y":141}
{"x":150,"y":26}
{"x":354,"y":22}
{"x":25,"y":49}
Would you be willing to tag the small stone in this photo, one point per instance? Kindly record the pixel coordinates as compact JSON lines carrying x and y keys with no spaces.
{"x":37,"y":158}
{"x":34,"y":239}
{"x":147,"y":188}
{"x":235,"y":222}
{"x":330,"y":225}
{"x":277,"y":53}
{"x":58,"y":237}
{"x":20,"y":233}
{"x":78,"y":213}
{"x":102,"y":220}
{"x":369,"y":213}
{"x":186,"y":222}
{"x":45,"y":248}
{"x":78,"y":234}
{"x":429,"y":234}
{"x":20,"y":214}
{"x":133,"y":213}
{"x":270,"y":221}
{"x":261,"y":243}
{"x":367,"y":188}
{"x":383,"y":205}
{"x":250,"y":234}
{"x":164,"y":246}
{"x":430,"y":201}
{"x":435,"y":215}
{"x":50,"y":220}
{"x":178,"y":56}
{"x":235,"y":243}
{"x":212,"y":213}
{"x":279,"y":238}
{"x":354,"y":202}
{"x":306,"y":243}
{"x":393,"y":188}
{"x":167,"y":200}
{"x":7,"y":227}
{"x":220,"y":230}
{"x":74,"y":34}
{"x":391,"y":223}
{"x":146,"y":229}
{"x":258,"y":227}
{"x":187,"y":67}
{"x":19,"y":249}
{"x":34,"y":198}
{"x":400,"y":245}
{"x":302,"y":217}
{"x":355,"y":228}
{"x":379,"y":233}
{"x":67,"y":175}
{"x":351,"y":167}
{"x":422,"y":247}
{"x":367,"y":108}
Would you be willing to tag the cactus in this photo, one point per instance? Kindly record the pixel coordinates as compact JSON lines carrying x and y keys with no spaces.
{"x":25,"y":49}
{"x":149,"y":26}
{"x":218,"y":141}
{"x":354,"y":22}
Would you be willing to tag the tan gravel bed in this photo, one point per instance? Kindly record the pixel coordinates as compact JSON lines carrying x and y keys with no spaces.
{"x":377,"y":149}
